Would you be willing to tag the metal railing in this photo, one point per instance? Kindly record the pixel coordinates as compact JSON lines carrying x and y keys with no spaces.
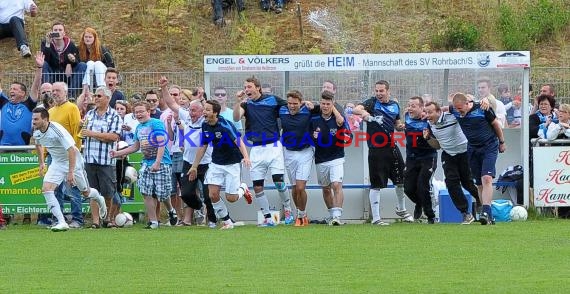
{"x":352,"y":86}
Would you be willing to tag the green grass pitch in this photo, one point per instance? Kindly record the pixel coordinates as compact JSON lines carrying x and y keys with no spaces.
{"x":519,"y":257}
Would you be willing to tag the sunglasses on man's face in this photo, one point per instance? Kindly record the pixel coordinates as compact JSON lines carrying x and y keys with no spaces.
{"x":174,"y":94}
{"x":220,"y":94}
{"x":151,"y":100}
{"x":99,"y":95}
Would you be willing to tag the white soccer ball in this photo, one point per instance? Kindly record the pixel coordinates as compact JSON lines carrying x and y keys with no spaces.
{"x":131,"y":174}
{"x":122,"y":145}
{"x":519,"y":213}
{"x":124,"y":219}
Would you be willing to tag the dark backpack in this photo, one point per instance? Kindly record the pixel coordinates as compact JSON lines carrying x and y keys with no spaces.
{"x":513,"y":173}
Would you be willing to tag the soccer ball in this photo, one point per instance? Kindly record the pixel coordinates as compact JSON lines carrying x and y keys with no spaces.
{"x":122,"y":145}
{"x":518,"y":213}
{"x":124,"y":219}
{"x":131,"y":174}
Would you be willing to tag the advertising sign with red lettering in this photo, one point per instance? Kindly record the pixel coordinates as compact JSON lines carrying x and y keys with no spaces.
{"x":551,"y":176}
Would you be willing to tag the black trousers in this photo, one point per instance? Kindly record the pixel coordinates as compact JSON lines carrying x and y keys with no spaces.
{"x":457,"y":174}
{"x":417,"y":182}
{"x":189,"y":188}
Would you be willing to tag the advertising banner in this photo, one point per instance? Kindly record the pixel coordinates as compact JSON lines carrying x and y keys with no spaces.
{"x":350,"y":62}
{"x":21,"y":186}
{"x":551,"y":176}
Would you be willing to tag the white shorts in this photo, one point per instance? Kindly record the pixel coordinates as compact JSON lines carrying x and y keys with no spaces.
{"x":57,"y":174}
{"x":299,"y":164}
{"x":224,"y":176}
{"x":330,"y":172}
{"x":268,"y":157}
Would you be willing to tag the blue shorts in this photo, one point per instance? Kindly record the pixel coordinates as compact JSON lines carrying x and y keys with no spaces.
{"x":482,"y":160}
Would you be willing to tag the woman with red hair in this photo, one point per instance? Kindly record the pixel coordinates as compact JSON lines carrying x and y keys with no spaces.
{"x":97,"y":58}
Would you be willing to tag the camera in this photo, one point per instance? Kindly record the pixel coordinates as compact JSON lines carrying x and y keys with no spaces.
{"x":54,"y":35}
{"x":47,"y":100}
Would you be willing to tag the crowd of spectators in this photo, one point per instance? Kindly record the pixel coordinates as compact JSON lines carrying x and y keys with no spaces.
{"x":87,"y":71}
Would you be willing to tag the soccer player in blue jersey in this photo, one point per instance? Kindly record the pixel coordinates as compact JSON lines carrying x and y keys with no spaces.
{"x":329,"y":132}
{"x":299,"y":150}
{"x":227,"y":154}
{"x":261,"y":130}
{"x":421,"y":159}
{"x":384,"y":157}
{"x":485,"y":140}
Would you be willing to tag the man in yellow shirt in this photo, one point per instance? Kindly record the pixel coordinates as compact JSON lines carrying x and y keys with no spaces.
{"x":67,"y":114}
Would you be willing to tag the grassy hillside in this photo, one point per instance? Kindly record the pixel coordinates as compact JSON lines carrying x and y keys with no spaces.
{"x":173,"y":35}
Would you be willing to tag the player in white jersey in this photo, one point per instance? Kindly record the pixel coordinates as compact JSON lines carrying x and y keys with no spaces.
{"x":66,"y":165}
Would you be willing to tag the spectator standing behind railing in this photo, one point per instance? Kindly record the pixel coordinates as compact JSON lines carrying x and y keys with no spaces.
{"x":484,"y":90}
{"x":96,"y":57}
{"x":16,"y":115}
{"x":62,"y":59}
{"x":151,"y":97}
{"x":111,"y":81}
{"x":128,"y":121}
{"x":100,"y":135}
{"x":68,"y":116}
{"x":546,"y":89}
{"x":185,"y":98}
{"x":173,"y":124}
{"x":45,"y":98}
{"x":221,"y":95}
{"x":12,"y":22}
{"x":560,"y":130}
{"x":192,"y":120}
{"x":540,"y":121}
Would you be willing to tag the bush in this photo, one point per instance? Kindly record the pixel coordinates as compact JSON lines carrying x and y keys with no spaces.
{"x":257,"y":40}
{"x":457,"y":34}
{"x":513,"y":39}
{"x":540,"y":21}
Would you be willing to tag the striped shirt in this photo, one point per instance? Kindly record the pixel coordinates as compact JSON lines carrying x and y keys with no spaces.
{"x":96,"y":151}
{"x":449,"y":134}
